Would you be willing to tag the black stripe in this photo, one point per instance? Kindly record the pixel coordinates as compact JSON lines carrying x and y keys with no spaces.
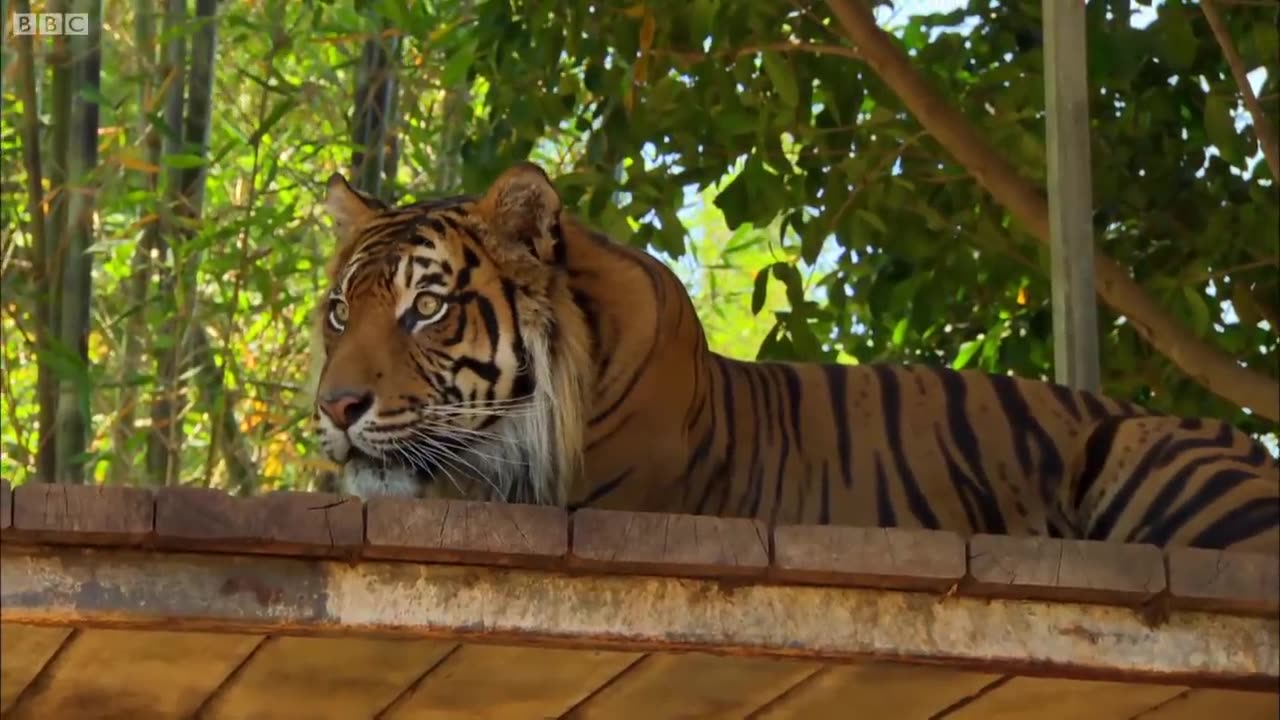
{"x":729,"y":406}
{"x":755,"y":477}
{"x":470,"y":261}
{"x":700,"y":454}
{"x":1066,"y":397}
{"x":1158,"y":524}
{"x":592,"y":319}
{"x":487,"y":371}
{"x":973,"y":486}
{"x":1101,"y":529}
{"x":489,"y":319}
{"x":1241,"y":523}
{"x":559,"y":248}
{"x":1158,"y":514}
{"x":782,"y":424}
{"x":1026,"y":428}
{"x":408,"y":271}
{"x":601,"y":491}
{"x":885,"y":515}
{"x":1097,"y":448}
{"x":837,"y":377}
{"x":704,"y":446}
{"x":1093,"y":406}
{"x":459,"y":315}
{"x":824,"y":506}
{"x":524,"y":382}
{"x":891,"y":407}
{"x":793,"y":395}
{"x":1164,"y":525}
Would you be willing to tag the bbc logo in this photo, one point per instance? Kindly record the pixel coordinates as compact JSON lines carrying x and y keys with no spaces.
{"x":50,"y":23}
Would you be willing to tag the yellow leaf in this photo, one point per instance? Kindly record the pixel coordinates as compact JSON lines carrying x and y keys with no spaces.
{"x":439,"y":33}
{"x":319,"y":463}
{"x":130,"y":162}
{"x":144,"y":220}
{"x":1022,"y":296}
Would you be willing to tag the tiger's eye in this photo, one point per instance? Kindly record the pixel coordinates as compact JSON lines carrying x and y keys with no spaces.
{"x":426,"y":304}
{"x":340,"y":311}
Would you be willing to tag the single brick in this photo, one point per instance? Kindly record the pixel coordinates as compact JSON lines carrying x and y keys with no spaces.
{"x":1065,"y":570}
{"x":464,"y":531}
{"x":889,"y":558}
{"x":278,"y":523}
{"x":657,"y":543}
{"x":1220,"y":580}
{"x":62,"y":513}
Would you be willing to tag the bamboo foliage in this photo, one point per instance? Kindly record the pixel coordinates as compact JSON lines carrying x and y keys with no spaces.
{"x":44,"y":330}
{"x":188,"y":353}
{"x":151,"y":316}
{"x":74,"y":389}
{"x":49,"y":313}
{"x":375,"y":101}
{"x":208,"y":245}
{"x":150,"y":244}
{"x":164,"y":444}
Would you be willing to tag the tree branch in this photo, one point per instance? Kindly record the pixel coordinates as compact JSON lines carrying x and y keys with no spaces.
{"x":1206,"y":364}
{"x":1265,"y":130}
{"x":735,"y":53}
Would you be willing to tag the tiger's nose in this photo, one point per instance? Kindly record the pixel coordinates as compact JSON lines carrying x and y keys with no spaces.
{"x":344,"y":407}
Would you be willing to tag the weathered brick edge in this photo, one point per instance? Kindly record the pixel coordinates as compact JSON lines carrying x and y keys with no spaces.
{"x":319,"y":525}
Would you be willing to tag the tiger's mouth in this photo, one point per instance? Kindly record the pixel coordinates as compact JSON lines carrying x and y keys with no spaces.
{"x":440,"y":464}
{"x":365,"y":476}
{"x":425,"y":469}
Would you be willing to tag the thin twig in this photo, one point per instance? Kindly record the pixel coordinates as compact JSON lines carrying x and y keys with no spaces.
{"x":1265,"y":130}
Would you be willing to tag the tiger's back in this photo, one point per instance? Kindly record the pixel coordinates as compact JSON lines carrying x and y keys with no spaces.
{"x":641,"y":415}
{"x":918,"y":446}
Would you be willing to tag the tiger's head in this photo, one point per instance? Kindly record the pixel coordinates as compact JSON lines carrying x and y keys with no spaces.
{"x":454,"y":357}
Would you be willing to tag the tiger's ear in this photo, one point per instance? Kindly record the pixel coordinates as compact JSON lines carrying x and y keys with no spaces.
{"x":522,"y":206}
{"x":347,"y":207}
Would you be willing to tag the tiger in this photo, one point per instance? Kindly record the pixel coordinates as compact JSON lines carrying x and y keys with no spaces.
{"x":495,"y":347}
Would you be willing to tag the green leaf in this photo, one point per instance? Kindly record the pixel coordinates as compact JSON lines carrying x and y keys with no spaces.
{"x":967,"y":350}
{"x":276,"y":115}
{"x":805,"y":344}
{"x":913,"y":35}
{"x":1221,"y":130}
{"x":183,"y":160}
{"x":459,"y":62}
{"x":812,"y":240}
{"x":1177,"y":37}
{"x":791,"y":280}
{"x":1266,"y":40}
{"x":900,"y":331}
{"x":1200,"y":321}
{"x":760,"y":292}
{"x":780,"y":73}
{"x":872,"y":219}
{"x":751,"y":197}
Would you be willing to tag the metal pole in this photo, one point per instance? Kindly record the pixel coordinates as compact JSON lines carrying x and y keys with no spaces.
{"x":1075,"y":308}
